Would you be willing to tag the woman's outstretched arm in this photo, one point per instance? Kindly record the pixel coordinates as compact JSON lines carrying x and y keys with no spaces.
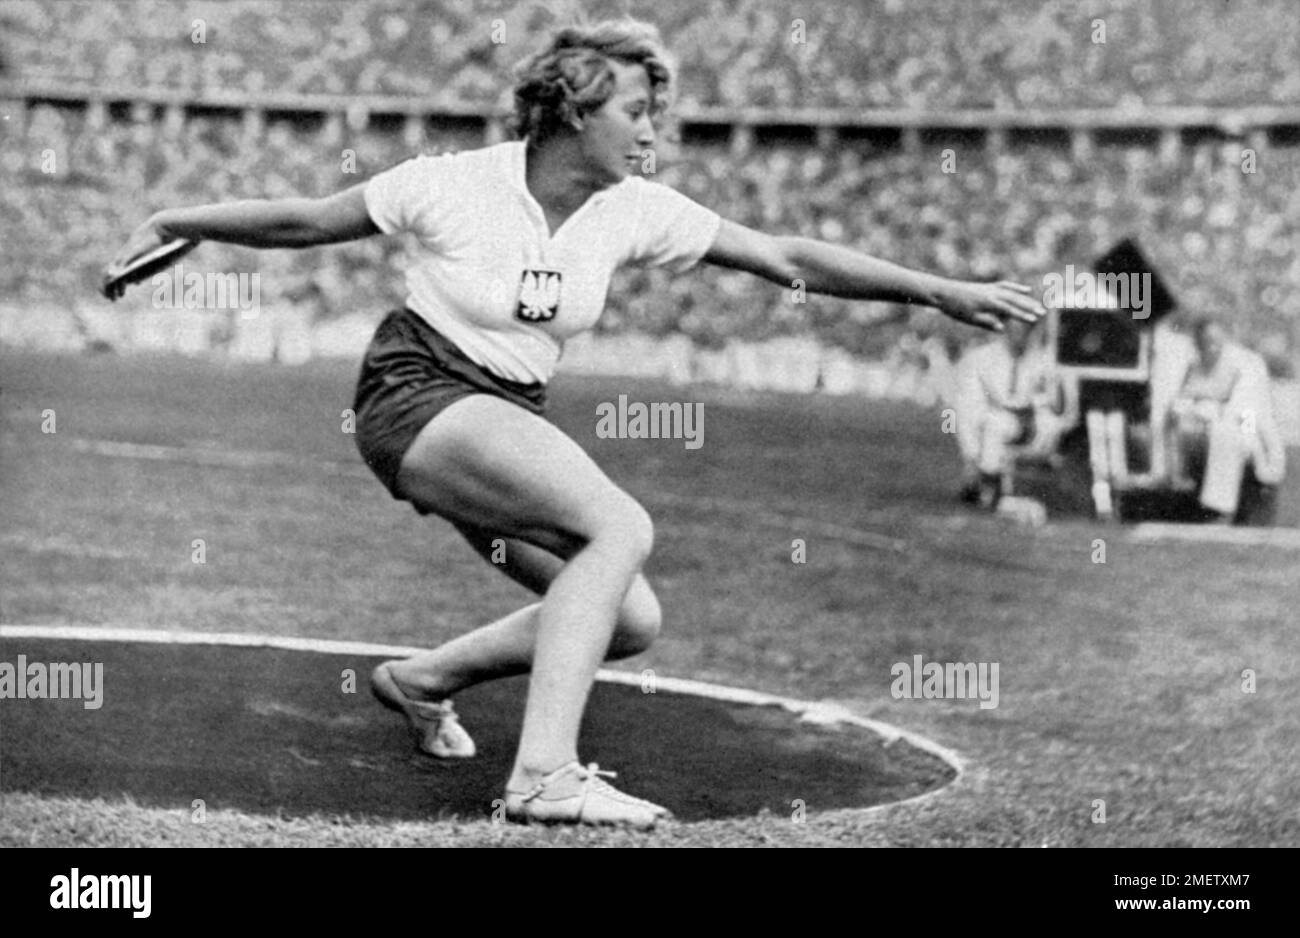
{"x":853,"y":275}
{"x":277,"y":223}
{"x":259,"y":223}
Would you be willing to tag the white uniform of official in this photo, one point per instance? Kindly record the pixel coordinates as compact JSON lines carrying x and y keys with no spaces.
{"x":1240,"y":430}
{"x":487,"y":272}
{"x":991,"y":385}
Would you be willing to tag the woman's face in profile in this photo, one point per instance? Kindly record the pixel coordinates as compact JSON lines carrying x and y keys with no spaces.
{"x":616,"y":136}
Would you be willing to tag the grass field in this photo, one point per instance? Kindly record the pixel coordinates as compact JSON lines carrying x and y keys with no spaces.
{"x":1120,"y":681}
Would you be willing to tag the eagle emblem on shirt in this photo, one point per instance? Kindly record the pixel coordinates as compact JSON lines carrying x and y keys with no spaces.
{"x":539,"y":295}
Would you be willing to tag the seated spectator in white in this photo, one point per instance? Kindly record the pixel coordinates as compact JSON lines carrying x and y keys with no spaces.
{"x":940,"y":381}
{"x":1222,"y":421}
{"x":1172,"y":353}
{"x":906,"y":366}
{"x":1011,"y":402}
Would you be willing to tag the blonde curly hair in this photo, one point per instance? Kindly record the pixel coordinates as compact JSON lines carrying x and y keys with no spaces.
{"x":572,"y":77}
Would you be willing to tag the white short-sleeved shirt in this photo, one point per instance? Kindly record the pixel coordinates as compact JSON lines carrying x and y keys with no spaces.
{"x":488,"y":273}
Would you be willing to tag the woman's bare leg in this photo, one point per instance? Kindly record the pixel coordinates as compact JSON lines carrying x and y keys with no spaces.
{"x":527,"y":480}
{"x":504,"y":648}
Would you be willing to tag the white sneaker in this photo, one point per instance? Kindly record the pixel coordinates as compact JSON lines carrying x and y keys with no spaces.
{"x":574,"y":794}
{"x":435,"y":726}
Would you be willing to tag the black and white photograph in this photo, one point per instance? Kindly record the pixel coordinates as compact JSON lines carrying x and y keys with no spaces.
{"x":650,"y":423}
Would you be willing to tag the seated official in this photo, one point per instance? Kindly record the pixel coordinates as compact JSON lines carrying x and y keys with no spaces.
{"x":1222,"y":421}
{"x":1010,"y":403}
{"x":1172,"y":353}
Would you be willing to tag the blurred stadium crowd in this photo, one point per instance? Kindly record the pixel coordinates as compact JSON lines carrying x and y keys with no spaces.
{"x":1228,"y":241}
{"x":870,"y":53}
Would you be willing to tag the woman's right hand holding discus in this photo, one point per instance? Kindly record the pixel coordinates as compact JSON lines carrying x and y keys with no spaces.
{"x":144,"y":239}
{"x":150,"y":249}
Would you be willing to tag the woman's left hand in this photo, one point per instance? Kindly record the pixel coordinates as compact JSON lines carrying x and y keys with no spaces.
{"x":990,"y":305}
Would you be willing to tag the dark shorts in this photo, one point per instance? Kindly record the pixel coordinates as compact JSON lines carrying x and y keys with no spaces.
{"x":411,"y":373}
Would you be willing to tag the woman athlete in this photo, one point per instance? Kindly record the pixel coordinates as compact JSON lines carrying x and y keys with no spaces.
{"x":515,"y":244}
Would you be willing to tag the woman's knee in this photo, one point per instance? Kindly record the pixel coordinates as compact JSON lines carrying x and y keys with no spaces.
{"x":624,"y":525}
{"x":639,"y":621}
